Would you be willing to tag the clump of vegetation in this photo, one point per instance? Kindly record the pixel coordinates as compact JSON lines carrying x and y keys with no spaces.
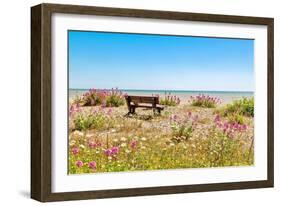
{"x":184,"y":137}
{"x":114,"y":98}
{"x":106,"y":98}
{"x":244,"y":106}
{"x":170,"y":100}
{"x":206,"y":101}
{"x":92,"y":119}
{"x":183,"y":127}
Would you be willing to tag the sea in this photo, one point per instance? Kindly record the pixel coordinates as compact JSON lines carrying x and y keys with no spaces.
{"x":225,"y":96}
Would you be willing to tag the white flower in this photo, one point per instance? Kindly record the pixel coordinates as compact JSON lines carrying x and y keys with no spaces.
{"x":78,"y":133}
{"x":82,"y":146}
{"x":127,"y":151}
{"x":123,"y":145}
{"x":123,"y":139}
{"x":89,"y":135}
{"x":72,"y":142}
{"x":115,"y":140}
{"x":143,"y":139}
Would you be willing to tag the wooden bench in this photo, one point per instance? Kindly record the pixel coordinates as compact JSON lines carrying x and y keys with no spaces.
{"x":143,"y":101}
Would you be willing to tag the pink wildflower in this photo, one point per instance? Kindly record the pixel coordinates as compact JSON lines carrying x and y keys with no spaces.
{"x":92,"y":165}
{"x":92,"y":145}
{"x":133,"y":144}
{"x":107,"y":152}
{"x":79,"y":163}
{"x":75,"y":150}
{"x":114,"y":150}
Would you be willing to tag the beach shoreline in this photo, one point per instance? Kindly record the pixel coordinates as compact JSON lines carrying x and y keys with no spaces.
{"x":225,"y":96}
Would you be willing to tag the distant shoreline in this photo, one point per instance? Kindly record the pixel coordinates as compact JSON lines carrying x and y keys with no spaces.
{"x":225,"y":96}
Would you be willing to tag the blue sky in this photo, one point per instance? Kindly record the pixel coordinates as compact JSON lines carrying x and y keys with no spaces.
{"x":137,"y":61}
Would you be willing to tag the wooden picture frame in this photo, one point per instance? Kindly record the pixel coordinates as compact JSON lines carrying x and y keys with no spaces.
{"x":41,"y":116}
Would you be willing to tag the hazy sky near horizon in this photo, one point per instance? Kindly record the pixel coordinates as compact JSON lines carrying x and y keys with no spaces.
{"x":156,"y":62}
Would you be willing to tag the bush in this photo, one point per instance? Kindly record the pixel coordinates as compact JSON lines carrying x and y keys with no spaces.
{"x":206,"y":101}
{"x":106,"y":98}
{"x":83,"y":120}
{"x":236,"y":118}
{"x":183,"y":127}
{"x":170,"y":100}
{"x":243,"y":106}
{"x":114,"y":98}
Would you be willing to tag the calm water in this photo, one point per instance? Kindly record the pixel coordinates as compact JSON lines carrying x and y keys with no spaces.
{"x":225,"y":96}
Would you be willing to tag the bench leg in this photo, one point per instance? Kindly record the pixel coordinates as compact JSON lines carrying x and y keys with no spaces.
{"x":133,"y":110}
{"x":159,"y":111}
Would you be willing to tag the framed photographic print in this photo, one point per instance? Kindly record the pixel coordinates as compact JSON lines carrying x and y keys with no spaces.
{"x":130,"y":102}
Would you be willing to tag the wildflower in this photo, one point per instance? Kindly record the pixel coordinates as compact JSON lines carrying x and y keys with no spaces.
{"x":79,"y":163}
{"x":89,"y":135}
{"x":217,"y":118}
{"x":92,"y":165}
{"x":72,"y":142}
{"x":133,"y":144}
{"x":109,"y":112}
{"x":78,"y":133}
{"x":123,"y":139}
{"x":143,"y":139}
{"x":123,"y":145}
{"x":75,"y":150}
{"x":195,"y":118}
{"x":92,"y":145}
{"x":82,"y":146}
{"x":115,"y":140}
{"x":114,"y":150}
{"x":172,"y":144}
{"x":107,"y":152}
{"x":127,"y":151}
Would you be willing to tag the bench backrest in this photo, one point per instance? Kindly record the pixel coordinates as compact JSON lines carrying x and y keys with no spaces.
{"x":142,"y":99}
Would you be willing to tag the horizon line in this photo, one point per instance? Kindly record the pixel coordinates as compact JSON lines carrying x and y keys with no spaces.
{"x":162,"y":90}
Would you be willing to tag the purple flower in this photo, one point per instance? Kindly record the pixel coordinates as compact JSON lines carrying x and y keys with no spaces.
{"x":75,"y":150}
{"x":133,"y":144}
{"x":79,"y":163}
{"x":92,"y":145}
{"x":92,"y":165}
{"x":217,"y":118}
{"x":107,"y":152}
{"x":114,"y":150}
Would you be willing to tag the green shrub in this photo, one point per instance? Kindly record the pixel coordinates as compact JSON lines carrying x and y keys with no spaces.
{"x":84,"y":121}
{"x":114,"y":100}
{"x":181,"y":132}
{"x":170,"y":100}
{"x":243,"y":106}
{"x":236,"y":118}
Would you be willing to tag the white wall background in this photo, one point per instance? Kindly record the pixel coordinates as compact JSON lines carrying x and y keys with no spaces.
{"x":15,"y":102}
